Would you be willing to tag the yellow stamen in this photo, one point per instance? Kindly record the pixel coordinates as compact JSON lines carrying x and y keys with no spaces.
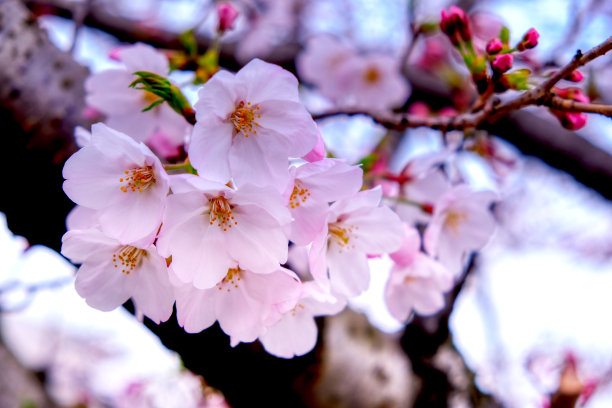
{"x":139,"y":179}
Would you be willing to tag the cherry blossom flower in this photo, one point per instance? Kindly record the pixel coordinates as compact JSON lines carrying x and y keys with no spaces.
{"x":461,"y":223}
{"x":108,"y":92}
{"x":209,"y":228}
{"x":112,"y":272}
{"x":120,"y":178}
{"x":319,"y":65}
{"x":271,"y":21}
{"x":356,"y":227}
{"x":314,"y":186}
{"x":417,"y":282}
{"x":248,"y":124}
{"x":242,"y":302}
{"x":425,"y":189}
{"x":295,"y":334}
{"x":376,"y":83}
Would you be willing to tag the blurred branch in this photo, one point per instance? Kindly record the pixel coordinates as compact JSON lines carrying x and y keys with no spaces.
{"x":568,"y":105}
{"x":427,"y":341}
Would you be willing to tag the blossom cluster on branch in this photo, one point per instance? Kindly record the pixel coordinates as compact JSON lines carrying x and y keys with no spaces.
{"x":213,"y":234}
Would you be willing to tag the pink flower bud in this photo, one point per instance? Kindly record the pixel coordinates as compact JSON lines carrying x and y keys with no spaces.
{"x":502,"y":62}
{"x":573,"y":93}
{"x":575,"y":76}
{"x":227,"y":15}
{"x":530,"y":40}
{"x":448,"y":111}
{"x":494,"y":46}
{"x":420,"y":109}
{"x":454,"y":23}
{"x":573,"y":120}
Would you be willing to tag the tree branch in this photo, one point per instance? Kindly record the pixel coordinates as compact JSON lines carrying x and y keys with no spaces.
{"x":567,"y":105}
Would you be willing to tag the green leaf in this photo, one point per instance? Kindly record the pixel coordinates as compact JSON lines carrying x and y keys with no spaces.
{"x":504,"y":35}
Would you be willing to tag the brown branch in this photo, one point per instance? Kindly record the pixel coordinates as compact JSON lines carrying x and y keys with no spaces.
{"x":567,"y":105}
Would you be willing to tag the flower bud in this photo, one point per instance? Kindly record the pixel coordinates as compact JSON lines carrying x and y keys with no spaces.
{"x":227,"y":15}
{"x":494,"y":46}
{"x":573,"y":93}
{"x":530,"y":40}
{"x":502,"y":63}
{"x":575,"y":76}
{"x":455,"y":25}
{"x":573,"y":120}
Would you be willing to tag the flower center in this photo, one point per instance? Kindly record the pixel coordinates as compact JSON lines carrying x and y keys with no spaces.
{"x":138,"y":179}
{"x":128,"y":258}
{"x":342,"y":235}
{"x":372,"y":75}
{"x":221,"y":213}
{"x":244,"y":118}
{"x":231,"y":279}
{"x":454,"y":220}
{"x":299,"y":195}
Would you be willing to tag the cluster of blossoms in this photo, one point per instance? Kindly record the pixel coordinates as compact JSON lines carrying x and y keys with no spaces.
{"x":499,"y":55}
{"x":214,"y":238}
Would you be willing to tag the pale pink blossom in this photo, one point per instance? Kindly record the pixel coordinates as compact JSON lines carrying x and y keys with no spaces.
{"x":417,"y":283}
{"x":356,"y":227}
{"x":319,"y":65}
{"x":112,"y":272}
{"x":248,"y":124}
{"x":121,"y":179}
{"x":108,"y":92}
{"x":243,"y":302}
{"x":209,"y":228}
{"x":462,"y":222}
{"x":314,"y":186}
{"x":422,"y":192}
{"x":271,"y":22}
{"x":295,"y":334}
{"x":375,"y":83}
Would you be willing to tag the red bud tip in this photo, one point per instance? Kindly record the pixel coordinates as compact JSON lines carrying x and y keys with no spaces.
{"x":530,"y":40}
{"x":494,"y":46}
{"x":227,"y":15}
{"x":502,"y":63}
{"x":575,"y":76}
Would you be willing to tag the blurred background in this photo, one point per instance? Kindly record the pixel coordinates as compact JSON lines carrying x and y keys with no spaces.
{"x":530,"y":319}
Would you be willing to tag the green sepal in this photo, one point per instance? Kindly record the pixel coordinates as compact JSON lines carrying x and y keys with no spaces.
{"x":154,"y":104}
{"x":162,"y":87}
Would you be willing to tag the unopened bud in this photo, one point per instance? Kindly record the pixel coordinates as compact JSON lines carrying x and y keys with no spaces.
{"x":572,"y":93}
{"x":420,"y":109}
{"x":227,"y":15}
{"x":502,"y":63}
{"x":575,"y":76}
{"x":571,"y":120}
{"x":494,"y":46}
{"x":455,"y":25}
{"x":530,"y":40}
